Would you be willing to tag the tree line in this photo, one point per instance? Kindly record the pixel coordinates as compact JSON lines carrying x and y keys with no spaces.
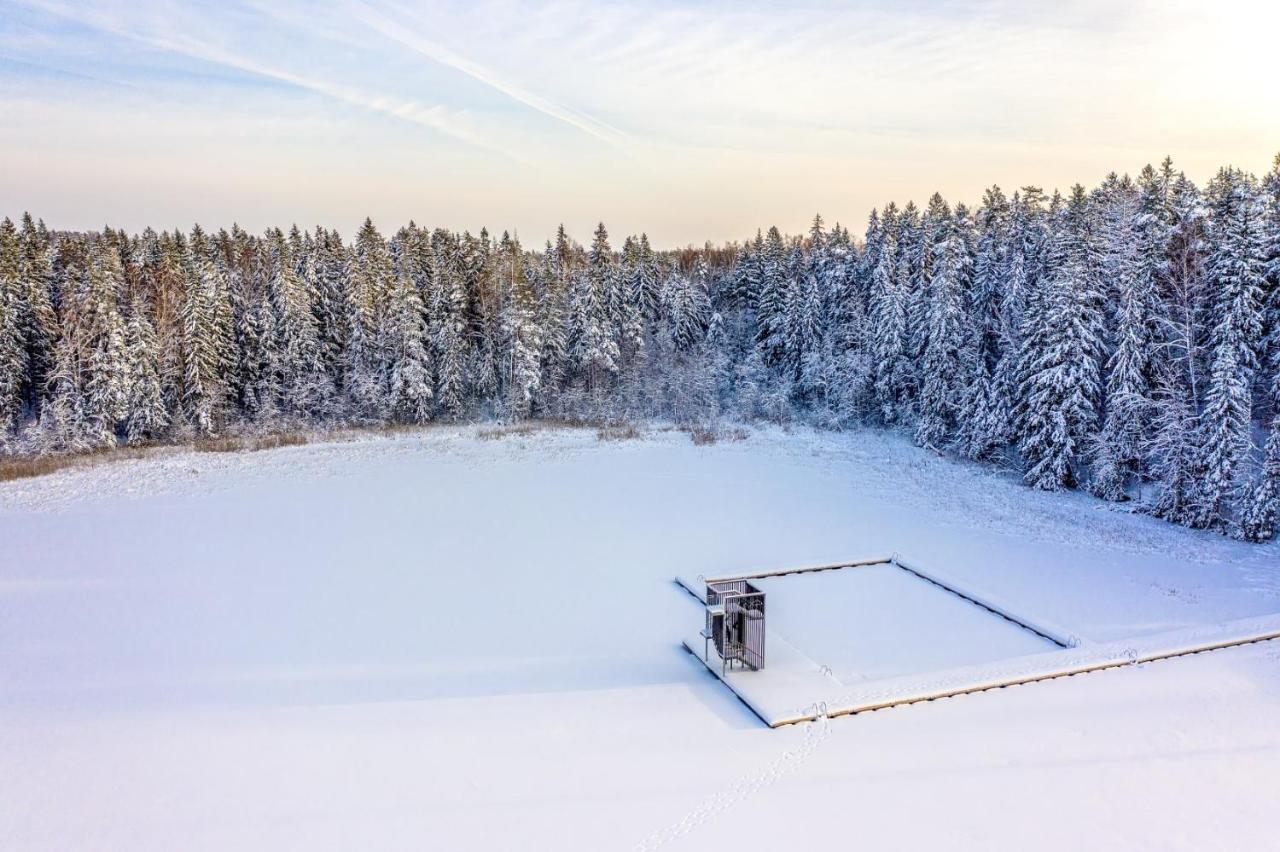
{"x":1124,"y":339}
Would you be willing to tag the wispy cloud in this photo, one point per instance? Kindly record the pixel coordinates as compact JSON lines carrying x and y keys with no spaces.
{"x":389,"y":28}
{"x":435,"y":117}
{"x":690,"y":120}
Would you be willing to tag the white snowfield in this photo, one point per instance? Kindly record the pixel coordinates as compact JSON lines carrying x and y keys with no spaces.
{"x":434,"y":641}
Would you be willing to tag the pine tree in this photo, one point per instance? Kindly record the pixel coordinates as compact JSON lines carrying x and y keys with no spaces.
{"x":643,"y":280}
{"x":204,"y":387}
{"x":38,"y":320}
{"x":984,"y":400}
{"x":305,"y":387}
{"x":62,"y":421}
{"x":1062,"y":384}
{"x":410,"y":395}
{"x":1271,"y":270}
{"x":748,"y":275}
{"x":910,"y":235}
{"x":449,"y":314}
{"x":523,"y":334}
{"x":1122,"y":442}
{"x":888,"y":332}
{"x":1261,"y":510}
{"x":552,"y":323}
{"x":106,"y":372}
{"x":13,"y":356}
{"x":323,"y":274}
{"x":1234,"y":267}
{"x":593,"y":348}
{"x":370,"y":277}
{"x":685,"y":309}
{"x":949,"y":276}
{"x":1172,"y":451}
{"x":771,"y":303}
{"x":147,"y":416}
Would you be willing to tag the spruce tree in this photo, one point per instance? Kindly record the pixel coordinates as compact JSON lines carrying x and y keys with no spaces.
{"x":1271,"y":271}
{"x":38,"y":319}
{"x":410,"y":392}
{"x":771,"y":302}
{"x":1234,"y":268}
{"x":524,"y":338}
{"x":13,"y":355}
{"x":147,"y":416}
{"x":449,"y":320}
{"x":949,"y":274}
{"x":1061,"y":383}
{"x":1261,"y":510}
{"x":370,"y":277}
{"x":106,"y":370}
{"x":552,"y":322}
{"x":984,"y":400}
{"x":305,"y":386}
{"x":1120,"y":446}
{"x":593,"y":347}
{"x":204,"y":387}
{"x":888,"y":330}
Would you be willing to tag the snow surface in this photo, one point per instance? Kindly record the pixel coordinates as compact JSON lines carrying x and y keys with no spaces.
{"x":437,"y":641}
{"x":879,"y":621}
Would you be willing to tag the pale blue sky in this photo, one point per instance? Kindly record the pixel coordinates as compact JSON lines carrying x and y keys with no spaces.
{"x":692,"y":121}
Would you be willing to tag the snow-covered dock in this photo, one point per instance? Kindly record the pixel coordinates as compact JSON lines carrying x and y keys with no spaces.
{"x":796,"y":688}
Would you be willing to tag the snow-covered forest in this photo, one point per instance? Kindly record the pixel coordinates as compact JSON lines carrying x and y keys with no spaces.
{"x":1124,"y":339}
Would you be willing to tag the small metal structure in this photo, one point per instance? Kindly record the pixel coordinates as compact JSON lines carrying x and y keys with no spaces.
{"x":735,"y":622}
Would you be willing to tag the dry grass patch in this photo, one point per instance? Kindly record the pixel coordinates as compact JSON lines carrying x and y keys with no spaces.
{"x":493,"y":433}
{"x":617,"y":432}
{"x":703,"y":435}
{"x":250,"y":443}
{"x":25,"y":468}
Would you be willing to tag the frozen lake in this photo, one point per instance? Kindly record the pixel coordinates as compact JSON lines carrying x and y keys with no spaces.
{"x":437,"y":641}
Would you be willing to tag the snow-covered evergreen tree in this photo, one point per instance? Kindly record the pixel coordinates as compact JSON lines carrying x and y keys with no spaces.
{"x":888,"y":330}
{"x":106,"y":366}
{"x":949,"y":276}
{"x":984,"y":412}
{"x":306,"y":387}
{"x":410,"y":393}
{"x":204,"y":387}
{"x":685,"y":309}
{"x":1061,"y":369}
{"x":523,"y":334}
{"x":1271,"y":271}
{"x":38,"y":320}
{"x":370,"y":277}
{"x":1234,"y":267}
{"x":13,"y":355}
{"x":593,"y":347}
{"x":772,"y":298}
{"x":1261,"y":511}
{"x":146,"y":414}
{"x":1121,"y":445}
{"x":552,"y":322}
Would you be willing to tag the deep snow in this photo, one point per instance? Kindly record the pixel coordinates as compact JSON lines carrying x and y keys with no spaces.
{"x":437,"y":641}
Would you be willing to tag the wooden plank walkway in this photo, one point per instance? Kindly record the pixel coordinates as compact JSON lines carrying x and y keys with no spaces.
{"x":798,"y":690}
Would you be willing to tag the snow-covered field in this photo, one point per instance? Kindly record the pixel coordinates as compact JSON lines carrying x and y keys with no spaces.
{"x":434,"y":641}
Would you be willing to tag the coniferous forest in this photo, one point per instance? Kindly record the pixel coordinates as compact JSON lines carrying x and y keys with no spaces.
{"x":1124,"y":340}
